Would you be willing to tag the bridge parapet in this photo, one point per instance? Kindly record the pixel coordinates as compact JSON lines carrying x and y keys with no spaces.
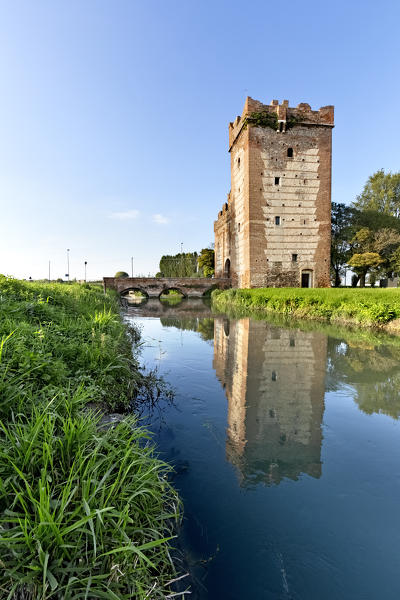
{"x":153,"y":287}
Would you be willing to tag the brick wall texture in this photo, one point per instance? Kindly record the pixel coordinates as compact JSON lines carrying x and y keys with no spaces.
{"x":274,"y":229}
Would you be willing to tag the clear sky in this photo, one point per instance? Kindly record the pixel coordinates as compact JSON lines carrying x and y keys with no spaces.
{"x":114,"y":116}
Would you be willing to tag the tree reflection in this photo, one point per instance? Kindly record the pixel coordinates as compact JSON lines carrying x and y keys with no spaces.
{"x":203,"y":326}
{"x":372,"y":368}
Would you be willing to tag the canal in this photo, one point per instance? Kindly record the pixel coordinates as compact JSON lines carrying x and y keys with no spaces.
{"x":286,"y":446}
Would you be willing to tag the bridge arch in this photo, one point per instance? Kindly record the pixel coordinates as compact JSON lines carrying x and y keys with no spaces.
{"x":125,"y":293}
{"x":208,"y":291}
{"x":172,"y":289}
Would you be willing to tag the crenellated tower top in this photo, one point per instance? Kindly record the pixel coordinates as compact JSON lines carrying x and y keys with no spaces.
{"x":280,"y":117}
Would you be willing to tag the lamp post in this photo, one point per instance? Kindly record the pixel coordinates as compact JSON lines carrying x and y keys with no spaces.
{"x":49,"y":271}
{"x":68,"y":264}
{"x":85,"y":269}
{"x":132,"y":266}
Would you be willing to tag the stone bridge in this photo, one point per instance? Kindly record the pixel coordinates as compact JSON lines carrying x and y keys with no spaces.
{"x":153,"y":287}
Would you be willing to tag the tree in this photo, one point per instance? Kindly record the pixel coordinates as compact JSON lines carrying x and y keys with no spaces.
{"x":342,"y":219}
{"x":373,"y":220}
{"x":381,"y":193}
{"x":387,"y":243}
{"x":206,"y":262}
{"x":121,"y":275}
{"x":180,"y":265}
{"x":367,"y":244}
{"x":362,"y":263}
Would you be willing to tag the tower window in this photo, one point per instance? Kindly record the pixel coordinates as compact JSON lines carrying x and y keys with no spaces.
{"x":238,"y":226}
{"x":277,"y":220}
{"x":294,"y":257}
{"x":290,"y":152}
{"x":281,"y":126}
{"x":238,"y":162}
{"x":277,"y":179}
{"x":274,"y":376}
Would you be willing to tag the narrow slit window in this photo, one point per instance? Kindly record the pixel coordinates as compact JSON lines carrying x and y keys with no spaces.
{"x":277,"y":180}
{"x":238,"y":162}
{"x":292,"y":342}
{"x":290,"y":152}
{"x":294,"y":257}
{"x":274,"y":376}
{"x":238,"y":226}
{"x":277,"y":220}
{"x":281,"y":126}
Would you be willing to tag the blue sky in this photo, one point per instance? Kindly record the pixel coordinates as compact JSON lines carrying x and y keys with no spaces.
{"x":114,"y":116}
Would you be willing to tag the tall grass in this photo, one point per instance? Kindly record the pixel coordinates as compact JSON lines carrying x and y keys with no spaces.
{"x":366,"y":307}
{"x":85,"y":512}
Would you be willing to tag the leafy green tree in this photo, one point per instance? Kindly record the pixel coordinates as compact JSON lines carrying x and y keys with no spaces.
{"x":342,"y":233}
{"x":381,"y":193}
{"x":373,"y":220}
{"x":206,"y":262}
{"x":180,"y":265}
{"x":121,"y":275}
{"x":366,"y":245}
{"x":363,"y":263}
{"x":386,"y":243}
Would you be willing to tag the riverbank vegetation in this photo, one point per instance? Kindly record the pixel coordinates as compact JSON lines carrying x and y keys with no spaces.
{"x":362,"y":307}
{"x":86,"y":510}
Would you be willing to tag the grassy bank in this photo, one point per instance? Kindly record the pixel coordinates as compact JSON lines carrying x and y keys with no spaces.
{"x":362,"y":307}
{"x":85,"y":512}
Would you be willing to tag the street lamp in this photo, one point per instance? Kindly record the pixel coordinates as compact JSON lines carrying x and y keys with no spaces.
{"x":68,"y":264}
{"x":132,"y":266}
{"x":85,"y":269}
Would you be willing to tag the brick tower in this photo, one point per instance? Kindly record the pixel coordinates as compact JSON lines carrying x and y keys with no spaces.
{"x":274,"y":229}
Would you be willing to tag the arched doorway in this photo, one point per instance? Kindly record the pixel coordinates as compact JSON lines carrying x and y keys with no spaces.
{"x":306,"y":279}
{"x":227,"y":269}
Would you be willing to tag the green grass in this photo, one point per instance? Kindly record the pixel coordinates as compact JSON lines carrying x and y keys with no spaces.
{"x":365,"y":307}
{"x":85,"y":512}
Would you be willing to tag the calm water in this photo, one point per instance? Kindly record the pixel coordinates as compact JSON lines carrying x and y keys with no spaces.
{"x":286,"y":445}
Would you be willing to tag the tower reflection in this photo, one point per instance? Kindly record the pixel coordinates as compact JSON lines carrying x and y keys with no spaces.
{"x":274,"y":381}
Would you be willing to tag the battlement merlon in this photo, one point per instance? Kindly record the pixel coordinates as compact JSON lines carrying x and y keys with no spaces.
{"x":324,"y":117}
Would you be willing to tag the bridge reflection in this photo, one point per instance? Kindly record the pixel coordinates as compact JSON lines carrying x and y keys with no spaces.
{"x":274,"y":383}
{"x":176,"y":308}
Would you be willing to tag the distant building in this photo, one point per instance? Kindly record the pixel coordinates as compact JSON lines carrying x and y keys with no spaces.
{"x":274,"y":229}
